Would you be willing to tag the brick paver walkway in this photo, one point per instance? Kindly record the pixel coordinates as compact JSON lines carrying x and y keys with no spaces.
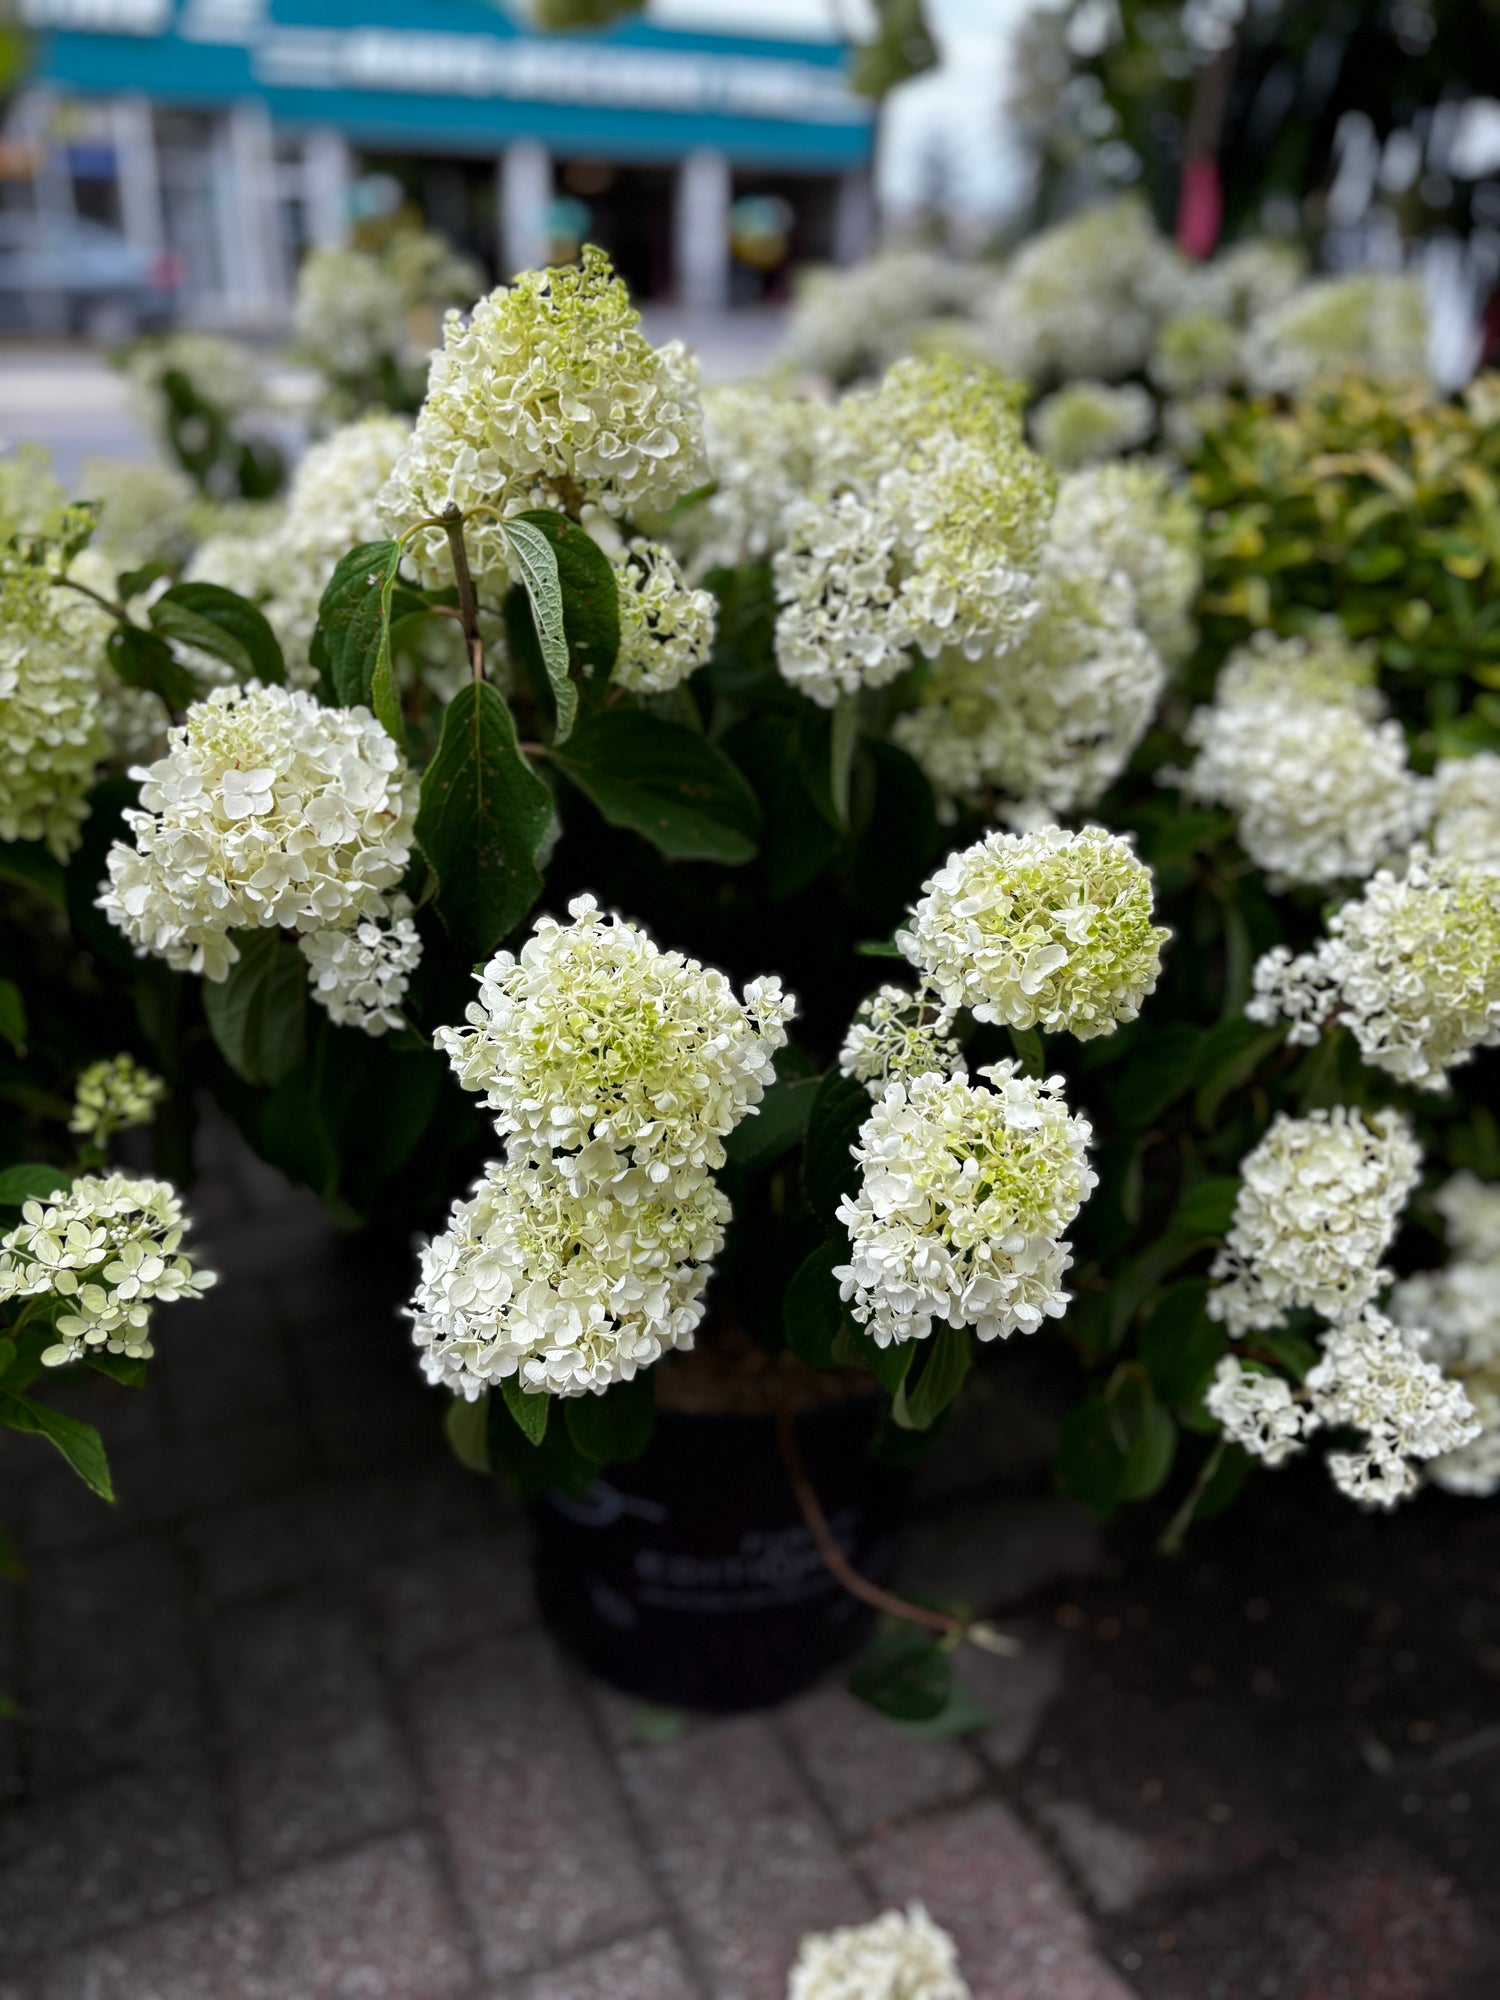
{"x":291,"y":1731}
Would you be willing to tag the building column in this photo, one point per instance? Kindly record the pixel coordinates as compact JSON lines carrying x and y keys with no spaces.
{"x":854,"y":217}
{"x":525,"y":194}
{"x":136,"y":176}
{"x":325,"y":187}
{"x":702,"y":231}
{"x":259,"y":280}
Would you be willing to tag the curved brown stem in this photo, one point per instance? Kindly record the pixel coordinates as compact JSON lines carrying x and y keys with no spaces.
{"x":468,"y":609}
{"x":837,"y":1563}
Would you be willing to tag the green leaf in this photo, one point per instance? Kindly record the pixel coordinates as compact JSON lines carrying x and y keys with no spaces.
{"x":1158,"y":1073}
{"x":1228,"y":1056}
{"x":129,"y":1373}
{"x":1027,"y":1043}
{"x":907,"y":1675}
{"x":144,"y":660}
{"x":534,"y":552}
{"x":590,"y":594}
{"x":31,"y":1183}
{"x":839,"y":1110}
{"x":813,"y":1311}
{"x":354,"y":617}
{"x":616,"y":1426}
{"x":842,"y":736}
{"x":853,"y":1348}
{"x":1181,"y":1345}
{"x":774,"y":1128}
{"x":1224,"y":1481}
{"x":131,"y":582}
{"x":79,"y":1443}
{"x":29,"y":865}
{"x":221,"y":622}
{"x":665,"y":782}
{"x":1146,"y":1434}
{"x":258,"y":1014}
{"x":962,"y":1714}
{"x":466,"y":1426}
{"x":1090,"y":1460}
{"x":13,"y":1569}
{"x":530,"y":1412}
{"x":12,"y":1015}
{"x":1208,"y":1209}
{"x":919,"y":1405}
{"x":485,"y":816}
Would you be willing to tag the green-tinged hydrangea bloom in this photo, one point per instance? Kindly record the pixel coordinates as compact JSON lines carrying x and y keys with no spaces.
{"x":666,"y":629}
{"x":964,"y":1196}
{"x":1374,"y":321}
{"x":52,"y":735}
{"x":1047,"y":929}
{"x":108,"y":1249}
{"x":897,"y":1034}
{"x":1195,"y":352}
{"x":32,"y":499}
{"x":549,"y":396}
{"x":898,"y":1957}
{"x":1087,"y":421}
{"x":1138,"y":516}
{"x":112,"y":1095}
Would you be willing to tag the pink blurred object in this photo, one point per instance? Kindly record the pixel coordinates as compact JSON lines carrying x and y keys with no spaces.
{"x":1200,"y":206}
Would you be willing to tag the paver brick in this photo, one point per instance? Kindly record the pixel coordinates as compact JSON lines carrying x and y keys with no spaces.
{"x":221,"y":1359}
{"x":447,"y":1595}
{"x":640,"y":1968}
{"x":377,"y":1924}
{"x":744,"y":1852}
{"x":983,"y":1877}
{"x":1001,"y":1549}
{"x":315,"y":1759}
{"x":542,"y":1852}
{"x":106,"y":1855}
{"x":868,"y":1773}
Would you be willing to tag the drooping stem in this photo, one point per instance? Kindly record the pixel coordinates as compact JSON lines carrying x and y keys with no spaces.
{"x":836,"y":1562}
{"x":72,"y":583}
{"x":468,"y":609}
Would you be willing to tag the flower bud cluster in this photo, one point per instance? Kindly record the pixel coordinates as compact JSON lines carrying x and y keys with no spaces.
{"x":107,"y":1249}
{"x":113,"y":1095}
{"x":896,"y":1035}
{"x":666,"y":629}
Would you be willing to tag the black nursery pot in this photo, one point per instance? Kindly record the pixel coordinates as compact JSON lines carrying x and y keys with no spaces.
{"x":688,"y":1578}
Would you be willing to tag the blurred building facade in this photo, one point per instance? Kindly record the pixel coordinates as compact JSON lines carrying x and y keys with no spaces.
{"x":232,"y":134}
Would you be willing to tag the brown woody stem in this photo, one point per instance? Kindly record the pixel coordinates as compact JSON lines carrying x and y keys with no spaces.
{"x":468,"y":609}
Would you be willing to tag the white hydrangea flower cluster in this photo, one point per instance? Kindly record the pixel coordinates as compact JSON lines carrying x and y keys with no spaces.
{"x":1320,"y":789}
{"x":1136,"y":516}
{"x":1049,"y":929}
{"x":897,"y":1034}
{"x":361,"y":975}
{"x":1085,"y":421}
{"x":615,"y":1071}
{"x":1196,"y":353}
{"x":897,"y":1957}
{"x":666,"y":629}
{"x":222,"y":373}
{"x":350,"y":312}
{"x":548,"y":396}
{"x":267,"y":811}
{"x":1458,"y":1309}
{"x":147,"y":513}
{"x":761,"y":445}
{"x":108,"y":1247}
{"x":1371,"y":1376}
{"x":852,"y":319}
{"x":1319,"y":1202}
{"x":924,"y":527}
{"x":1250,"y":278}
{"x":1052,"y":720}
{"x":1411,"y":967}
{"x":569,"y":1288}
{"x":964,"y":1195}
{"x":1373,"y":321}
{"x":1466,"y":818}
{"x":52,"y":734}
{"x":113,"y":1095}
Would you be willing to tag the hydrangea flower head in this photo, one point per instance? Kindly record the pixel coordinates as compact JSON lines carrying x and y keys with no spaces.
{"x":267,"y":811}
{"x":1134,"y":515}
{"x":52,"y":734}
{"x":350,"y":312}
{"x":593,"y":1041}
{"x":1411,"y":967}
{"x":1049,"y":929}
{"x":1256,"y":1410}
{"x":762,"y":446}
{"x":841,"y":626}
{"x":897,"y":1957}
{"x":1372,"y":1377}
{"x":1088,"y":421}
{"x":360,"y":976}
{"x":964,"y":1196}
{"x":1374,"y":321}
{"x":897,"y":1034}
{"x":113,"y":1095}
{"x":1319,"y":1202}
{"x":666,"y":629}
{"x":548,"y":395}
{"x":567,"y":1289}
{"x":108,"y":1248}
{"x":1466,"y":822}
{"x":1196,"y":351}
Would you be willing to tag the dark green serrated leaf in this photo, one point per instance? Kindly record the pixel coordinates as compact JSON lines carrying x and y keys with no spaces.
{"x":79,"y":1443}
{"x":919,"y":1404}
{"x":813,"y":1311}
{"x":1228,"y":1056}
{"x":1181,"y":1345}
{"x":1208,"y":1209}
{"x":258,"y":1014}
{"x":484,"y":818}
{"x":534,"y":552}
{"x":1157,"y":1074}
{"x":355,"y":615}
{"x":144,"y":660}
{"x":615,"y":1427}
{"x":221,"y":622}
{"x":12,"y":1015}
{"x":31,"y":1183}
{"x":1090,"y":1461}
{"x":590,"y":594}
{"x":131,"y":582}
{"x":129,"y":1372}
{"x":839,"y":1110}
{"x":28,"y":864}
{"x":906,"y":1675}
{"x":774,"y":1128}
{"x":530,"y":1412}
{"x":1147,"y":1436}
{"x":466,"y":1426}
{"x":665,"y":782}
